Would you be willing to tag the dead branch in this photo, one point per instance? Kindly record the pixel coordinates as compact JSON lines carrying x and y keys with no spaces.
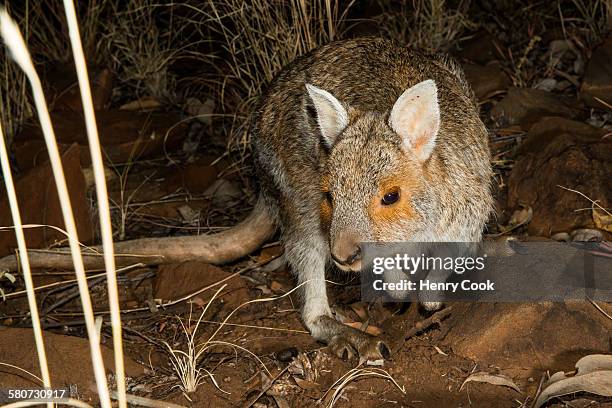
{"x":435,"y":318}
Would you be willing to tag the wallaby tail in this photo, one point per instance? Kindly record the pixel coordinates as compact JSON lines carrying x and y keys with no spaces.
{"x":219,"y":248}
{"x":242,"y":239}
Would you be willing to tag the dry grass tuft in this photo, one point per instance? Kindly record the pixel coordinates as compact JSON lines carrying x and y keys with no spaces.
{"x":15,"y":103}
{"x":143,"y":40}
{"x":592,"y":18}
{"x":140,"y":40}
{"x":187,"y":364}
{"x":430,"y":25}
{"x":257,"y":39}
{"x":352,"y":375}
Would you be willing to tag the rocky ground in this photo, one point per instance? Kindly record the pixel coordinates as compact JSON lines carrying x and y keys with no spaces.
{"x":551,"y":145}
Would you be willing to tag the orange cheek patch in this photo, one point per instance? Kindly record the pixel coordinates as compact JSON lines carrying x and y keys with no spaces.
{"x":384,"y":215}
{"x":325,"y":209}
{"x":325,"y":212}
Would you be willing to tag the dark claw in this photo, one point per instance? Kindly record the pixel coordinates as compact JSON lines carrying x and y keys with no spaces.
{"x":384,"y":351}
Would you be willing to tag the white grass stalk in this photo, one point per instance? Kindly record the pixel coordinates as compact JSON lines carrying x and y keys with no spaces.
{"x":18,"y":49}
{"x":62,"y":401}
{"x":102,"y":196}
{"x":25,"y":262}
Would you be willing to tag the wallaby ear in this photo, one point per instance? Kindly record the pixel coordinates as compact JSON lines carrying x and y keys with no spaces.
{"x":331,"y":115}
{"x":415,"y":117}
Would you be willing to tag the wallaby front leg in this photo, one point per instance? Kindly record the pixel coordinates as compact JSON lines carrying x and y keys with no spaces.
{"x":344,"y":341}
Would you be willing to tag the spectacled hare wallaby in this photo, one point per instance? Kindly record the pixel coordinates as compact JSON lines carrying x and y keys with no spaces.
{"x":363,"y":140}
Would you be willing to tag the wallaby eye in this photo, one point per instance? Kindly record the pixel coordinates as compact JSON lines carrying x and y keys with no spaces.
{"x":391,"y":197}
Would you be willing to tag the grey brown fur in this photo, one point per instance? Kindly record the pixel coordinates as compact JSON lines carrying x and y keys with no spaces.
{"x":448,"y":193}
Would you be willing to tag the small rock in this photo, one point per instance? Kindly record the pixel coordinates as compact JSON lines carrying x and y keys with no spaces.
{"x":202,"y":111}
{"x":558,"y":48}
{"x":586,"y":235}
{"x":223,"y":191}
{"x":563,"y":85}
{"x":286,"y":355}
{"x":17,"y":347}
{"x":547,"y":84}
{"x":124,"y":135}
{"x":39,"y":204}
{"x":486,"y":81}
{"x":63,"y":85}
{"x":561,"y":237}
{"x":481,"y":49}
{"x":597,"y":81}
{"x":524,"y":106}
{"x":90,"y":181}
{"x":528,"y":336}
{"x":561,"y":152}
{"x":578,"y":66}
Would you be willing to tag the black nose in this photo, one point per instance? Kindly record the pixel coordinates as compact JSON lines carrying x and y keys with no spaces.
{"x":351,"y":259}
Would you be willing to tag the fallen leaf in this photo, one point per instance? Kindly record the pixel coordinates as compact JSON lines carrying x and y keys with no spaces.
{"x":280,"y":401}
{"x":188,"y":214}
{"x":264,"y":289}
{"x":306,"y":385}
{"x":360,"y":309}
{"x":276,"y":286}
{"x":141,"y":104}
{"x":89,"y":176}
{"x":521,"y":217}
{"x":602,"y":220}
{"x":495,"y":379}
{"x":270,"y":252}
{"x":593,"y":375}
{"x":198,"y":301}
{"x":373,"y":330}
{"x":302,"y":366}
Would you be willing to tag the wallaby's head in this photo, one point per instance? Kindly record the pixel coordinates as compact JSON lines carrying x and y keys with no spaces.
{"x":374,"y":182}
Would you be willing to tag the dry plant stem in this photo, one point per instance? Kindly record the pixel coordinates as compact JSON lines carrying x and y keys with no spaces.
{"x":15,"y":43}
{"x":435,"y":318}
{"x":250,"y":326}
{"x":102,"y":196}
{"x":146,"y":402}
{"x":23,"y":371}
{"x":187,"y":297}
{"x":67,"y":282}
{"x":600,"y":309}
{"x":23,"y":256}
{"x":354,"y":374}
{"x":265,"y":388}
{"x":593,"y":202}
